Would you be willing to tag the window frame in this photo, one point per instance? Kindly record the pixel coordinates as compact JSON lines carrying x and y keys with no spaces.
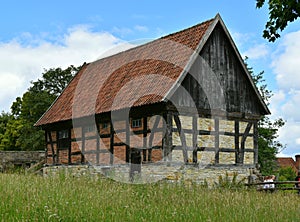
{"x":105,"y":125}
{"x":136,"y":123}
{"x":64,"y":139}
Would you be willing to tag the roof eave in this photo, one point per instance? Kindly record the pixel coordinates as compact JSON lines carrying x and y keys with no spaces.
{"x":37,"y":123}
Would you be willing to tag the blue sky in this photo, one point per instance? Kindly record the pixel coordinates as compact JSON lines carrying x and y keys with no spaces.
{"x":43,"y":34}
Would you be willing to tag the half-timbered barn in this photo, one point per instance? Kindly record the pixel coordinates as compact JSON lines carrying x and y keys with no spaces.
{"x":183,"y":105}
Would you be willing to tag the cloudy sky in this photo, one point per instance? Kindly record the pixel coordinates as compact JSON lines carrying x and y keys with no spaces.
{"x":37,"y":35}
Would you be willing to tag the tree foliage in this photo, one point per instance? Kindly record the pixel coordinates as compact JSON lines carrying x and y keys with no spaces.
{"x":281,"y":12}
{"x":17,"y":131}
{"x":8,"y":134}
{"x":286,"y":173}
{"x":268,"y":144}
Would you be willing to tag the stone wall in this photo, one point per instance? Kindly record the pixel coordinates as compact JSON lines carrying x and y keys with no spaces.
{"x":157,"y":172}
{"x":10,"y":159}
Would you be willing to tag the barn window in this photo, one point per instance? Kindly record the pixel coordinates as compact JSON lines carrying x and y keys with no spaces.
{"x":104,"y":125}
{"x":63,"y":134}
{"x":63,"y":139}
{"x":136,"y":123}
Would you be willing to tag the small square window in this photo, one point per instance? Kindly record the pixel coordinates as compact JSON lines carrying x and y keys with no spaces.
{"x":104,"y":125}
{"x":63,"y":134}
{"x":63,"y":139}
{"x":136,"y":123}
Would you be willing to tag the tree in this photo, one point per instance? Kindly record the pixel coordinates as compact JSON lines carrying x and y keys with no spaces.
{"x":5,"y":119}
{"x":281,"y":12}
{"x":286,"y":173}
{"x":11,"y":134}
{"x":268,"y":145}
{"x":54,"y":80}
{"x":19,"y":133}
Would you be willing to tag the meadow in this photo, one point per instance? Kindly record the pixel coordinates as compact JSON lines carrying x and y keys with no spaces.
{"x":63,"y":198}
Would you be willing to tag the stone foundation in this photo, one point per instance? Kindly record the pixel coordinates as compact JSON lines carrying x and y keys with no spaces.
{"x":150,"y":173}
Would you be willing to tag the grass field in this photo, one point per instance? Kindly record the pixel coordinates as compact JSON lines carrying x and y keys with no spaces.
{"x":34,"y":198}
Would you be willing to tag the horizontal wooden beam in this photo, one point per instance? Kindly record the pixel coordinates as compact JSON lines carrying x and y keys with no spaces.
{"x":209,"y":113}
{"x":96,"y":151}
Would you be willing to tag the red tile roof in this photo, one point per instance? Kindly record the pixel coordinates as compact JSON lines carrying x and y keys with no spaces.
{"x":287,"y":162}
{"x":143,"y":75}
{"x":139,"y":76}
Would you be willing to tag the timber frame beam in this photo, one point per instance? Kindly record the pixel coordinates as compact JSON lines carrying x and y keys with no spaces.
{"x":189,"y":152}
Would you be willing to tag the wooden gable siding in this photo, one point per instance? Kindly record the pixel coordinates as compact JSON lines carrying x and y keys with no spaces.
{"x":217,"y":80}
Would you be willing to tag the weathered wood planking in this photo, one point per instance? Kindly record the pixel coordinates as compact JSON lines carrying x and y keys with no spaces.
{"x":217,"y":80}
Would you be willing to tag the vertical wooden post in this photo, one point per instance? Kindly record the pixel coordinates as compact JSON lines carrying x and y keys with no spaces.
{"x":57,"y":148}
{"x":217,"y":140}
{"x":70,"y":146}
{"x":182,"y":138}
{"x":145,"y":127}
{"x":82,"y":144}
{"x":98,"y":144}
{"x":153,"y":131}
{"x":111,"y":145}
{"x":52,"y":148}
{"x":195,"y":138}
{"x":244,"y":137}
{"x":237,"y":141}
{"x":255,"y":142}
{"x":46,"y":145}
{"x":167,"y":141}
{"x":128,"y":149}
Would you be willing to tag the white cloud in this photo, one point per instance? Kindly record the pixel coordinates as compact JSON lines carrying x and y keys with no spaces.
{"x":257,"y":52}
{"x":9,"y":85}
{"x":283,"y":155}
{"x":285,"y":102}
{"x":141,"y":28}
{"x":278,"y":97}
{"x":276,"y":102}
{"x":290,"y":136}
{"x":286,"y":62}
{"x":291,"y":107}
{"x":240,"y":38}
{"x":285,"y":105}
{"x":122,"y":31}
{"x":20,"y":63}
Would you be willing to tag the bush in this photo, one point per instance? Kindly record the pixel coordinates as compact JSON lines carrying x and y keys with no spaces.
{"x":230,"y":182}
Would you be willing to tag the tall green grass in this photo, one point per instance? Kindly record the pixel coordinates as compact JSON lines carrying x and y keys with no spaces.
{"x":34,"y":198}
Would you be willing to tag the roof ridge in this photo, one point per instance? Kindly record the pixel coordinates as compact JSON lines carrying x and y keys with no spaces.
{"x":186,"y":29}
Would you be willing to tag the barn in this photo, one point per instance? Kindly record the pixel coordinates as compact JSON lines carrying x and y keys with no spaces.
{"x":183,"y":106}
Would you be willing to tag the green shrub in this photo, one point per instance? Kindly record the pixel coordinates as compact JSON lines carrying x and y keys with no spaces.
{"x":230,"y":182}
